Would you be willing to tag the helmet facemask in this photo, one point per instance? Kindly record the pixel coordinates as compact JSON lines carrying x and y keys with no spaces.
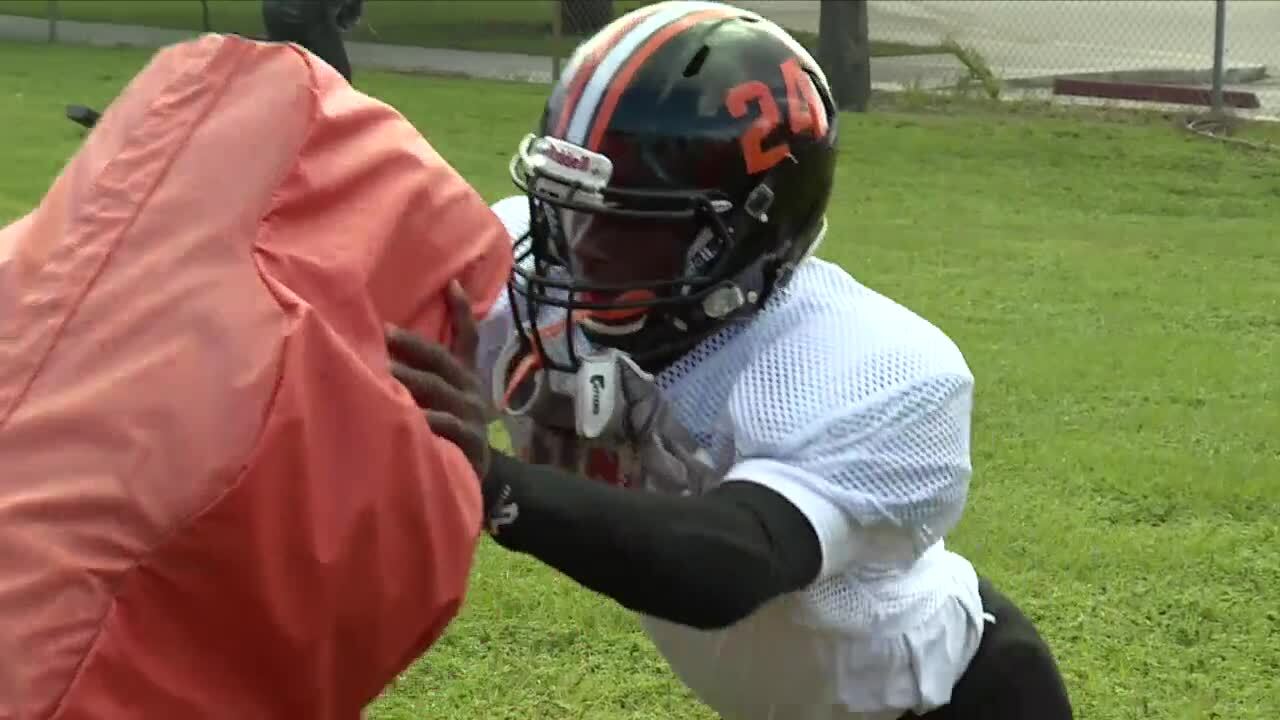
{"x":646,"y":271}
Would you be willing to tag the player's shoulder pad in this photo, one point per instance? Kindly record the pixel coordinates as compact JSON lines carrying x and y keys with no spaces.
{"x":514,"y":213}
{"x":829,"y":370}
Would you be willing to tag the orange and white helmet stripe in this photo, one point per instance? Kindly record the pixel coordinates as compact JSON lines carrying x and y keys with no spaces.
{"x":614,"y":57}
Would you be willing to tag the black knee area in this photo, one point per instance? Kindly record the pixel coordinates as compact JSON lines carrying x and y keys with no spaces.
{"x":1013,"y":675}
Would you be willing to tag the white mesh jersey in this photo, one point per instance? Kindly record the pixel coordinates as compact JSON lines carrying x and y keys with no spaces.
{"x":858,"y":411}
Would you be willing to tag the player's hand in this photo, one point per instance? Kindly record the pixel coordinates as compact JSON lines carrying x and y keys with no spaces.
{"x":444,"y":383}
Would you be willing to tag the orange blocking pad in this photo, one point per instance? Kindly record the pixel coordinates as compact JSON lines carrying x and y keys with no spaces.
{"x":215,"y":501}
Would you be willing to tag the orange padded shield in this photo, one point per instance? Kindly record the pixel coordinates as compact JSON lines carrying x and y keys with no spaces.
{"x":215,"y":502}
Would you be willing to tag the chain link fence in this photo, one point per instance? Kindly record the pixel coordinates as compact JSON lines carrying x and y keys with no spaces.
{"x":1002,"y":48}
{"x":1025,"y":45}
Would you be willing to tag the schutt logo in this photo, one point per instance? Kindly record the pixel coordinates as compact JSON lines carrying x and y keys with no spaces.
{"x":569,"y":160}
{"x":597,"y":384}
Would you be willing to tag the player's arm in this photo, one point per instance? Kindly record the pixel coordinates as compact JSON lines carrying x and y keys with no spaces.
{"x":871,"y":480}
{"x":733,"y":549}
{"x":875,"y":483}
{"x":706,"y":561}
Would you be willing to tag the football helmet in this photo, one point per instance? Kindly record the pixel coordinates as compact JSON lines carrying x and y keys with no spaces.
{"x":681,"y":170}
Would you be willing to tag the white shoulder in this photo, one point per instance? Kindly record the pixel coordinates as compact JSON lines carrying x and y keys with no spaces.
{"x":864,"y":403}
{"x":833,"y":348}
{"x":498,"y":329}
{"x":514,"y":213}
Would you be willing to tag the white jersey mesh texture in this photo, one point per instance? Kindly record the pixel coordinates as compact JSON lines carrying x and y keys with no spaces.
{"x":869,"y":399}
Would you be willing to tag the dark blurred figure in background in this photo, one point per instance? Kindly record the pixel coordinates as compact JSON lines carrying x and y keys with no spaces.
{"x":316,"y":25}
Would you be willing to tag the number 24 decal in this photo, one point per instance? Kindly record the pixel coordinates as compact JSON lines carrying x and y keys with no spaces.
{"x":805,"y":111}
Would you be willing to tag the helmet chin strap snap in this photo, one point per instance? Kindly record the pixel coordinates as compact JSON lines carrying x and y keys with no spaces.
{"x":724,"y":301}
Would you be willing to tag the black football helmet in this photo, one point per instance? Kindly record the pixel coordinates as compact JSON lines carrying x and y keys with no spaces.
{"x":682,"y":169}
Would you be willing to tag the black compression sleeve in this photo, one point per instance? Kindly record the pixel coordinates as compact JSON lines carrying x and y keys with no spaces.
{"x":704,"y":561}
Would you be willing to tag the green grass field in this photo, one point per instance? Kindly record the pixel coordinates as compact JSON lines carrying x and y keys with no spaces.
{"x":1115,"y":285}
{"x":521,"y":26}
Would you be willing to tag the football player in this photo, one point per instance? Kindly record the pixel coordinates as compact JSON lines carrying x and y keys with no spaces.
{"x":727,"y":435}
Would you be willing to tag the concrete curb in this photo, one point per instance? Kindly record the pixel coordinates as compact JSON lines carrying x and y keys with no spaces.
{"x":1152,"y":92}
{"x":1236,"y":75}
